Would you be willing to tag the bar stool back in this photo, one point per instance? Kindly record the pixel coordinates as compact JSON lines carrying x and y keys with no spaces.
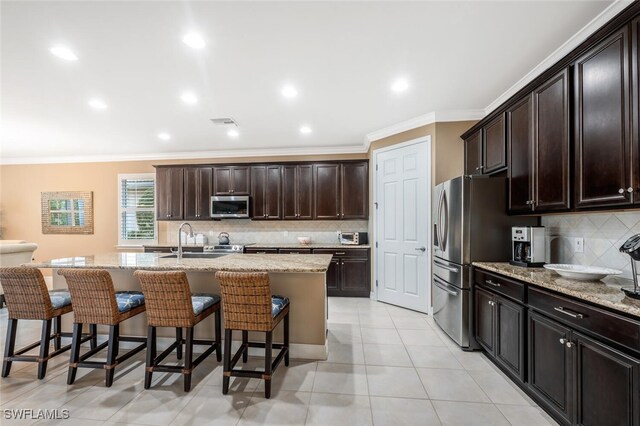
{"x":249,"y":306}
{"x":96,"y":302}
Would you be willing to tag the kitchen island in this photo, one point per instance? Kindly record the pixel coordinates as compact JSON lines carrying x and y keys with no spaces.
{"x":301,"y":278}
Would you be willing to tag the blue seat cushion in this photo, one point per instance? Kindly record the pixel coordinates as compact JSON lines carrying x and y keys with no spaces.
{"x":59,"y":298}
{"x":202,"y":301}
{"x":127,"y":300}
{"x":278,"y":303}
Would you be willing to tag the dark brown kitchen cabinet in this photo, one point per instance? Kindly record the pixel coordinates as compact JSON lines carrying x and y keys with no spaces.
{"x":266,"y":192}
{"x":354,"y":190}
{"x":260,"y":250}
{"x":197,"y":193}
{"x":333,"y":277}
{"x":231,"y":180}
{"x":602,"y":123}
{"x":297,"y":197}
{"x":169,"y":182}
{"x":494,"y":146}
{"x":635,"y":119}
{"x":520,"y":141}
{"x":326,"y":182}
{"x":473,"y":154}
{"x":484,"y":320}
{"x":349,"y":273}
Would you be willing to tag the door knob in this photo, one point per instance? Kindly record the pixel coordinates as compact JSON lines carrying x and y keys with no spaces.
{"x":422,"y":249}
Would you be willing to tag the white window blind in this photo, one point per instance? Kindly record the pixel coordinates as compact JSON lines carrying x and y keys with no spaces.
{"x":136,"y":209}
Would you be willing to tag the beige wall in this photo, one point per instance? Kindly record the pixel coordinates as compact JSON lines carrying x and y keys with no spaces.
{"x":21,"y":185}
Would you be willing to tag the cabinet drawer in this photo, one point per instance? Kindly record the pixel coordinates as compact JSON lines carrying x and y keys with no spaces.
{"x":500,"y":284}
{"x":258,"y":250}
{"x":608,"y":325}
{"x":344,"y":253}
{"x":294,"y":251}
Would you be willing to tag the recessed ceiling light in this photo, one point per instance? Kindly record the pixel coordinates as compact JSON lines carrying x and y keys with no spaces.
{"x":400,"y":85}
{"x":189,"y":98}
{"x":305,"y":130}
{"x":96,"y":103}
{"x":63,"y":52}
{"x":194,"y":40}
{"x":289,"y":91}
{"x":233,"y":133}
{"x":164,"y":136}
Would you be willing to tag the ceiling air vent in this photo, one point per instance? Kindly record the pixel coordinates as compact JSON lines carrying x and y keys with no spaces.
{"x":224,"y":122}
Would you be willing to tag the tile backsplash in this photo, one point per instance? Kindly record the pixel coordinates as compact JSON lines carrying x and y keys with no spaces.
{"x":603,"y":235}
{"x":249,"y":231}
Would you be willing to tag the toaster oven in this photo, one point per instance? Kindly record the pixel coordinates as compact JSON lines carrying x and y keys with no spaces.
{"x":353,"y":238}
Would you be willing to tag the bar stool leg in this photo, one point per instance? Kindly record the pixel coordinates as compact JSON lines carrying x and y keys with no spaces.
{"x":188,"y":359}
{"x":286,"y":339}
{"x":245,"y":340}
{"x":228,"y":335}
{"x":179,"y":340}
{"x":45,"y":340}
{"x":9,"y":346}
{"x":218,"y":336}
{"x":93,"y":331}
{"x":75,"y":353}
{"x":57,"y":327}
{"x":112,"y":353}
{"x":267,"y":364}
{"x":151,"y":356}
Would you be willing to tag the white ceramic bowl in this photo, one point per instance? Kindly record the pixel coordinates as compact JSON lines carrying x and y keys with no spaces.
{"x":304,"y":240}
{"x":579,"y":272}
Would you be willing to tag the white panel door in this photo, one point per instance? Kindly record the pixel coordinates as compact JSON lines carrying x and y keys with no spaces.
{"x":403,"y":217}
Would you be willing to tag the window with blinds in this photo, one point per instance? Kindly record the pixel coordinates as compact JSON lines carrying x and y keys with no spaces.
{"x":137,"y":209}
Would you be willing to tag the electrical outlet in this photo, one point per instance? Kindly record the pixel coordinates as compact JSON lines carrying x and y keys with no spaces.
{"x":578,"y":245}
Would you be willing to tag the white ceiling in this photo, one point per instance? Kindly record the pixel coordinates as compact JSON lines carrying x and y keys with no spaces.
{"x":341,"y":56}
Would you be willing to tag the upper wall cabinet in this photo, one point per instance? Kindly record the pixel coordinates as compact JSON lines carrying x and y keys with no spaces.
{"x":326,"y":182}
{"x":473,"y":154}
{"x":297,"y":198}
{"x":602,"y":123}
{"x":169,"y":189}
{"x":635,"y":121}
{"x":520,"y":139}
{"x":266,"y":191}
{"x":494,"y":146}
{"x":341,"y":191}
{"x":231,"y":180}
{"x":197,"y":193}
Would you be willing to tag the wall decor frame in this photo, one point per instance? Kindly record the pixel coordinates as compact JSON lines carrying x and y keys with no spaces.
{"x":67,"y":212}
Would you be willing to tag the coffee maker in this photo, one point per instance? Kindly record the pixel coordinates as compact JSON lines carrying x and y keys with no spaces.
{"x":632,"y":248}
{"x":527,"y":246}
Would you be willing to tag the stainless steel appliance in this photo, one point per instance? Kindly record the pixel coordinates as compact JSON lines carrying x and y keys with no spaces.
{"x":233,"y":206}
{"x":470,"y":224}
{"x":528,"y":246}
{"x":224,"y":248}
{"x":353,"y":238}
{"x":632,"y":248}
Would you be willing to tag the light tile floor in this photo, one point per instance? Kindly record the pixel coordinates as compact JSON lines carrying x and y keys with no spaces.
{"x":386,"y":366}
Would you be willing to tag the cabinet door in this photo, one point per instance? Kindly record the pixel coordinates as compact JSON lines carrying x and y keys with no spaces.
{"x":602,"y":133}
{"x":551,"y":144}
{"x":355,"y":277}
{"x":258,"y":192}
{"x":485,"y":319}
{"x":273,"y":193}
{"x":289,"y":192}
{"x":304,"y":192}
{"x":520,"y":139}
{"x":473,"y":154}
{"x":169,"y":181}
{"x":240,"y":179}
{"x":550,"y":364}
{"x":326,"y":181}
{"x":607,"y":385}
{"x":197,"y":193}
{"x":355,"y":188}
{"x":222,"y":180}
{"x":509,"y":343}
{"x":494,"y":146}
{"x":635,"y":134}
{"x":333,"y":277}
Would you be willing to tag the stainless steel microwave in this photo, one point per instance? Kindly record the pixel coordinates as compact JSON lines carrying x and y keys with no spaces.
{"x":232,"y":206}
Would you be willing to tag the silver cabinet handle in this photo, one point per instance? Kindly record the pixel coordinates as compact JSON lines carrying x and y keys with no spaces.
{"x":445,"y":266}
{"x":492,"y":303}
{"x":569,"y":344}
{"x":563,"y":341}
{"x":621,"y":191}
{"x":340,"y":252}
{"x":422,"y":249}
{"x":568,"y":312}
{"x":492,"y":283}
{"x":630,"y":189}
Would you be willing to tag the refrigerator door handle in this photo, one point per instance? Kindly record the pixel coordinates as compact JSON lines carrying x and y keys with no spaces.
{"x":445,"y":266}
{"x":444,"y":286}
{"x":439,"y":222}
{"x":444,"y":221}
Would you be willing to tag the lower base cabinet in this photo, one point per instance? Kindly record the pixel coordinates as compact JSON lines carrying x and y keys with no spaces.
{"x":349,"y":274}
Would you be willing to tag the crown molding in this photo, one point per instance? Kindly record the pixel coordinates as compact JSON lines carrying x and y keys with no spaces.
{"x":596,"y":23}
{"x":320,"y":150}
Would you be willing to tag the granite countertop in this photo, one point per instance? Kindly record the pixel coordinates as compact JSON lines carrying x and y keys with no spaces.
{"x":277,"y":245}
{"x":232,"y":262}
{"x":605,"y":293}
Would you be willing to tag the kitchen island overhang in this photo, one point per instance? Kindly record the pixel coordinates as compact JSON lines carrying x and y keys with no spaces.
{"x":300,"y":277}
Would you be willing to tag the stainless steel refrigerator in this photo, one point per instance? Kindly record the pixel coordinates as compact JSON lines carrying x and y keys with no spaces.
{"x":470,"y":225}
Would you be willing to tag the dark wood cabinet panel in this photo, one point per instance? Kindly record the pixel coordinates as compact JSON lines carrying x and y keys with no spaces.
{"x":550,"y":364}
{"x":266,"y":192}
{"x":551,"y":144}
{"x":607,"y":385}
{"x":289,"y":192}
{"x":635,"y":119}
{"x":509,"y":338}
{"x":354,"y":191}
{"x":602,"y":120}
{"x":260,"y":250}
{"x":326,"y":181}
{"x":484,"y":323}
{"x":231,"y":180}
{"x":494,"y":146}
{"x":520,"y":141}
{"x":333,"y":278}
{"x":355,"y":277}
{"x":169,"y":191}
{"x":304,"y":190}
{"x":473,"y":154}
{"x":197,"y":193}
{"x":297,"y":192}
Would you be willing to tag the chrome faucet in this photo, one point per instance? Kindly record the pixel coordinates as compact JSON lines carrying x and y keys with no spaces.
{"x":179,"y":253}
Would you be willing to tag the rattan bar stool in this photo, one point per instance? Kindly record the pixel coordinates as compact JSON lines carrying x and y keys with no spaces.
{"x":96,"y":302}
{"x":27,"y":298}
{"x":249,"y":306}
{"x":170,"y":304}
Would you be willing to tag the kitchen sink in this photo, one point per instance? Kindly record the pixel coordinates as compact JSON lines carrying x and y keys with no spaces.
{"x":197,"y":255}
